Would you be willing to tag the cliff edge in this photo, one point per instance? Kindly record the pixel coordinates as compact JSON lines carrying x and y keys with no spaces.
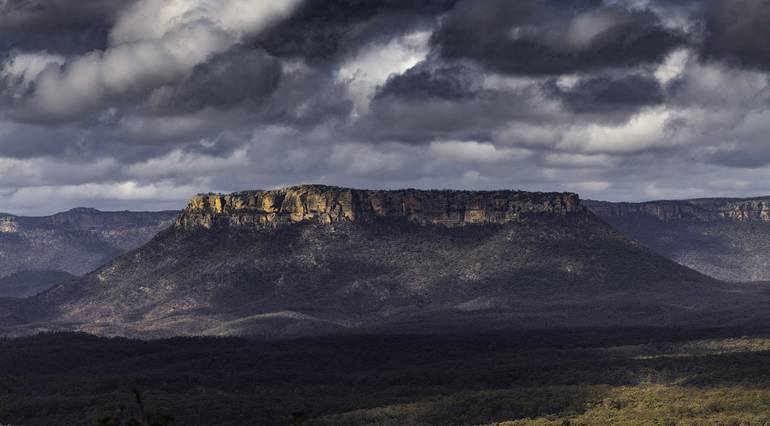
{"x":329,"y":204}
{"x":697,"y":210}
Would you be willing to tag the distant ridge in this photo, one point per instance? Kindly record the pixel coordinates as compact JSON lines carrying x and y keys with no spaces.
{"x":701,"y":209}
{"x":86,"y":218}
{"x":324,"y":260}
{"x":35,"y":252}
{"x":726,"y":238}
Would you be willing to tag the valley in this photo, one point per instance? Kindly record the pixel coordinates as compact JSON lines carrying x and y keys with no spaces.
{"x":318,"y":260}
{"x":728,"y":239}
{"x":384,"y":212}
{"x":625,"y":376}
{"x":38,"y":252}
{"x":322,"y":305}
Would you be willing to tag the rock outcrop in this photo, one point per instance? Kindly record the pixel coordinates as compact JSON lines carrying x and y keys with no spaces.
{"x":700,"y":210}
{"x":322,"y":260}
{"x":328,"y":204}
{"x":8,"y":224}
{"x":726,"y":238}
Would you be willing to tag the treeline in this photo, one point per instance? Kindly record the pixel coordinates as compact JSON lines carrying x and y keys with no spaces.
{"x":67,"y":378}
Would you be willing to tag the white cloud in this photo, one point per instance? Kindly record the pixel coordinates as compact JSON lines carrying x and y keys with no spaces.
{"x":472,"y":151}
{"x":569,"y":160}
{"x":644,"y":131}
{"x":472,"y":177}
{"x":15,"y":173}
{"x":586,"y":26}
{"x":508,"y":131}
{"x":372,"y":66}
{"x":155,"y":19}
{"x":359,"y":159}
{"x":154,"y":43}
{"x":20,"y":69}
{"x":672,"y":66}
{"x":180,"y":163}
{"x":590,"y":186}
{"x":39,"y":198}
{"x":26,"y":66}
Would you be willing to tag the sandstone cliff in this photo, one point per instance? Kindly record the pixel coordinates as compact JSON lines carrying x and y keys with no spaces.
{"x":726,"y":238}
{"x":7,"y":224}
{"x":328,"y":204}
{"x":700,"y":210}
{"x":379,"y":266}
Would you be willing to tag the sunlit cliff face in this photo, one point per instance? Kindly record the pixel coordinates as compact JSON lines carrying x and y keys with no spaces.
{"x":326,"y":204}
{"x":7,"y":224}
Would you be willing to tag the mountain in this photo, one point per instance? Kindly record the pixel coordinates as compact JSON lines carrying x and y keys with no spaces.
{"x":726,"y":238}
{"x":27,"y":283}
{"x":38,"y":252}
{"x":317,"y":259}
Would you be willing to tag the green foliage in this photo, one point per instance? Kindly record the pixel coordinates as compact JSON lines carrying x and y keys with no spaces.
{"x":725,"y":249}
{"x":312,"y":279}
{"x":546,"y":377}
{"x":141,"y":418}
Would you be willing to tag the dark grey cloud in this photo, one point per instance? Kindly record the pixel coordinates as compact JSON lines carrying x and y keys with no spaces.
{"x":610,"y":95}
{"x":752,"y":156}
{"x":57,"y":25}
{"x":307,"y":99}
{"x":229,"y":79}
{"x":427,"y":81}
{"x":24,"y":142}
{"x":321,"y":29}
{"x":552,"y":37}
{"x":140,"y":103}
{"x":444,"y":101}
{"x":56,"y":15}
{"x":737,"y":31}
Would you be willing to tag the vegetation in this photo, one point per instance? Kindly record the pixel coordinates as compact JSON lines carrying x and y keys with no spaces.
{"x":313,"y":279}
{"x":731,"y":250}
{"x":28,"y":283}
{"x":548,"y":377}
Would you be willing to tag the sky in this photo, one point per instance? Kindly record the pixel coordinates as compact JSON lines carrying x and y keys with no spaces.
{"x":140,"y":104}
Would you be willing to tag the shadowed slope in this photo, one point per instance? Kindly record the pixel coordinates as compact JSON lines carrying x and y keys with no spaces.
{"x":76,"y":241}
{"x":27,"y":283}
{"x":726,"y":238}
{"x":541,"y":267}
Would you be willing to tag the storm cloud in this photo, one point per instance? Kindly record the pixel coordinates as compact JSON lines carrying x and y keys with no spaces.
{"x":738,"y":31}
{"x":553,"y":37}
{"x":139,"y":104}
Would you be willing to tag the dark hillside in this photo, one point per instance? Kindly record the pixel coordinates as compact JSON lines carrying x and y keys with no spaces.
{"x":306,"y":261}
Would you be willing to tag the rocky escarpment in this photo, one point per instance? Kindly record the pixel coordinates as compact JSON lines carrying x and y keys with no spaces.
{"x":89,"y":219}
{"x":72,"y":242}
{"x":327,"y":260}
{"x":701,"y":210}
{"x":7,"y":224}
{"x":318,"y":259}
{"x":726,"y":238}
{"x":328,"y":204}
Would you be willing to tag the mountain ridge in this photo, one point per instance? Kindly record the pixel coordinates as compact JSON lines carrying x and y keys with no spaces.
{"x":329,"y":204}
{"x":412,"y":271}
{"x":701,"y":209}
{"x":35,"y":250}
{"x":726,"y":238}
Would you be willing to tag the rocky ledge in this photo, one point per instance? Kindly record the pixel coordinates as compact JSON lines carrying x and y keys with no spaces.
{"x":328,"y":204}
{"x":87,"y":219}
{"x":699,"y":210}
{"x":7,"y":224}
